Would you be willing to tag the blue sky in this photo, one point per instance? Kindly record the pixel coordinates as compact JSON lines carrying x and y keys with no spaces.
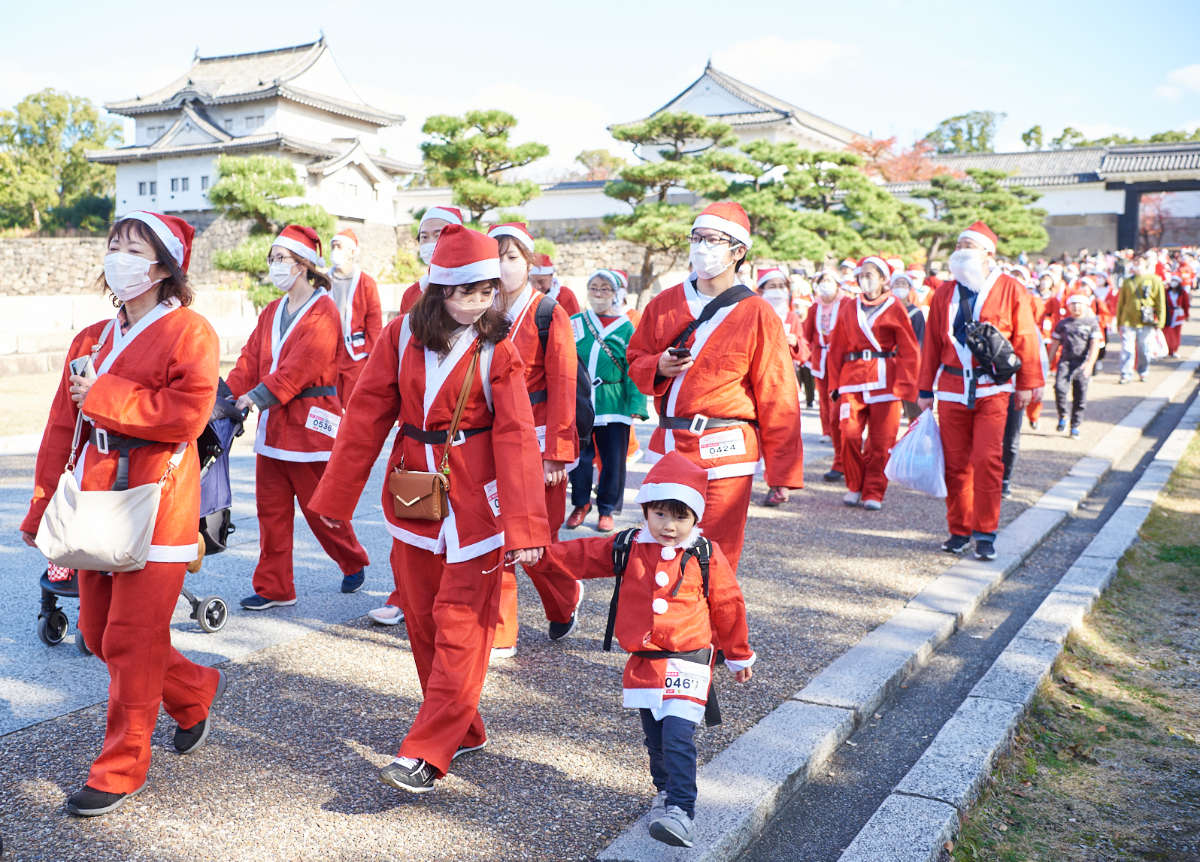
{"x":567,"y":70}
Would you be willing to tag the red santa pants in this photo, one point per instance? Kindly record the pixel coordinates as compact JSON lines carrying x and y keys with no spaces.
{"x":830,"y":426}
{"x":1172,"y":334}
{"x":725,"y":508}
{"x":973,"y":446}
{"x":348,"y":373}
{"x":559,"y":592}
{"x":277,"y":484}
{"x":450,"y":613}
{"x":125,"y":619}
{"x":864,"y":463}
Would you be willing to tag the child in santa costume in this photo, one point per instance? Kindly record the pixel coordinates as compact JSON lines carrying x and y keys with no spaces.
{"x":670,"y":613}
{"x":872,"y":367}
{"x":288,"y":370}
{"x":973,"y":407}
{"x":357,"y":300}
{"x":433,"y":221}
{"x":773,"y":286}
{"x":541,"y":276}
{"x":451,"y":345}
{"x":551,"y":366}
{"x":1179,"y":309}
{"x":715,"y":357}
{"x":818,"y":329}
{"x":145,"y":382}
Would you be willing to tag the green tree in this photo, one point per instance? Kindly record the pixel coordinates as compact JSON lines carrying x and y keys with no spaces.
{"x":658,"y":226}
{"x":264,"y":191}
{"x":472,"y":153}
{"x":982,"y":195}
{"x":1069,"y":139}
{"x":44,"y":169}
{"x":972,"y":132}
{"x":1033,"y":137}
{"x":600,"y":164}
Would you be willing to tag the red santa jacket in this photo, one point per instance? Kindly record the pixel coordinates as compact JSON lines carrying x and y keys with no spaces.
{"x":662,"y":608}
{"x":818,"y":333}
{"x":565,"y":297}
{"x":1179,"y":307}
{"x":497,"y":496}
{"x":303,"y":425}
{"x":549,"y":374}
{"x":861,"y":333}
{"x":361,"y":319}
{"x":742,"y":370}
{"x":999,"y":302}
{"x":793,"y":325}
{"x":412,"y":293}
{"x":158,"y":382}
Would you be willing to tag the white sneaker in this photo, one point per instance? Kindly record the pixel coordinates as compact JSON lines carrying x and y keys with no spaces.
{"x":388,"y":615}
{"x":851,"y":498}
{"x":502,"y":652}
{"x":873,"y":505}
{"x":674,"y":828}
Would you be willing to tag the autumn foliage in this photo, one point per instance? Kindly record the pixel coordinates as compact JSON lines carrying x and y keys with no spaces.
{"x":881,"y":159}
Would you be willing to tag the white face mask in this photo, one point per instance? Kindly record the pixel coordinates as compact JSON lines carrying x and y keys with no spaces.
{"x":826,"y":291}
{"x":282,"y":276}
{"x":127,"y":275}
{"x":514,"y":272}
{"x":777,"y":298}
{"x":425,"y":252}
{"x":967,"y":267}
{"x":708,"y":263}
{"x":339,"y":257}
{"x":901,"y":293}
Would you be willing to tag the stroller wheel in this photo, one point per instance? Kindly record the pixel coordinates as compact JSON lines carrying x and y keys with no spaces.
{"x":211,"y":613}
{"x":52,"y":627}
{"x":80,"y":644}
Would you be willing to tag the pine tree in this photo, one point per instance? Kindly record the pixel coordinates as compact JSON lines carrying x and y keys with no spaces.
{"x":982,"y":195}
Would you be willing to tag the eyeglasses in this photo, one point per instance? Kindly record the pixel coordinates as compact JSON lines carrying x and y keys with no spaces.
{"x":600,"y":291}
{"x":278,"y":258}
{"x":709,"y":242}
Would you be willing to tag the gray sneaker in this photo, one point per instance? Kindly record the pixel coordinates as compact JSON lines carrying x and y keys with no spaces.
{"x":674,"y":828}
{"x":659,"y":807}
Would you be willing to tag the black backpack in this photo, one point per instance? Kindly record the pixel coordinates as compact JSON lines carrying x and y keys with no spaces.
{"x":585,"y":411}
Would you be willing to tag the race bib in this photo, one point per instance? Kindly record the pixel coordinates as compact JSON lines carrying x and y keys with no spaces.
{"x":844,"y":412}
{"x":686,"y":679}
{"x":577,"y":328}
{"x":323,"y":422}
{"x":492,"y":491}
{"x":723,"y":444}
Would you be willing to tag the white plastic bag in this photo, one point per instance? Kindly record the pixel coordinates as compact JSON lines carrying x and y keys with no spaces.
{"x":1156,"y":345}
{"x":917,"y":461}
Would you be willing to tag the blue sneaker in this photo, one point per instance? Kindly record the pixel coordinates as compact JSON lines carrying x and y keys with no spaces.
{"x":258,"y":603}
{"x":353,"y":583}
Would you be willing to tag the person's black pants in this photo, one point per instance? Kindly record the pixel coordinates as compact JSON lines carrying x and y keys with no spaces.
{"x":611,"y":442}
{"x":672,"y":746}
{"x":1012,"y":436}
{"x":1071,"y":382}
{"x":804,"y":375}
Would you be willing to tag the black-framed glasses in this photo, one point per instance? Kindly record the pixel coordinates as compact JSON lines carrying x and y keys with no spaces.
{"x":709,"y":241}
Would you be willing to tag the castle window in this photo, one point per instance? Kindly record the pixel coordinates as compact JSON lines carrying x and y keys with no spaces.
{"x":204,"y":183}
{"x":142,"y":189}
{"x":183,"y":184}
{"x":153,"y":187}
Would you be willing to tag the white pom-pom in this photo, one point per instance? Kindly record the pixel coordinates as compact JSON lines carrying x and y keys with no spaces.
{"x":659,"y":605}
{"x":661,"y":578}
{"x":668,"y":553}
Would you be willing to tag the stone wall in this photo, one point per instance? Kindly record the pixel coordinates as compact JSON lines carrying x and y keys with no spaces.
{"x":41,"y":265}
{"x":1070,"y":233}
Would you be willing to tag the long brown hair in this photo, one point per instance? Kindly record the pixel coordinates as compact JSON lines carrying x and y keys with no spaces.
{"x":432,"y":325}
{"x":174,"y":286}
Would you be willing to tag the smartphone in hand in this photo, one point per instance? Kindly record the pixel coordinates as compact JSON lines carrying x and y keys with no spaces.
{"x":679,"y":352}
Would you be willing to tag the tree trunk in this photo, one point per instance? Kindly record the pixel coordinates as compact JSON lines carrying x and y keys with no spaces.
{"x":37,"y":216}
{"x":647,"y":273}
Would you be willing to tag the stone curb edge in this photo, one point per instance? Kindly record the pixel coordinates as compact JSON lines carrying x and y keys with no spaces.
{"x":774,"y":757}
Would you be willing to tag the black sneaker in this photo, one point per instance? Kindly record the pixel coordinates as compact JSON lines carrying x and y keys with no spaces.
{"x":189,"y":739}
{"x":1006,"y":489}
{"x":261,"y":603}
{"x":985,"y":549}
{"x":834,"y":476}
{"x":90,"y":802}
{"x":353,"y":583}
{"x":956,"y":544}
{"x":412,"y":776}
{"x":467,"y":749}
{"x":558,"y":631}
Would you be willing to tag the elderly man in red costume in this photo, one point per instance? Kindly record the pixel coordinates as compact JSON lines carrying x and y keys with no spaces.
{"x":715,"y":359}
{"x":973,"y":407}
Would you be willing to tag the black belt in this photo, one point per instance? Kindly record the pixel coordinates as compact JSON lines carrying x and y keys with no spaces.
{"x":108,"y":441}
{"x":868,"y":354}
{"x":538,"y":397}
{"x":317,"y":392}
{"x":435,"y":437}
{"x":698,"y":423}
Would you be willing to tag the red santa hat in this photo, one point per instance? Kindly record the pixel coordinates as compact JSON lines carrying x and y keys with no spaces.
{"x":674,"y":477}
{"x":348,"y":235}
{"x":727,"y":217}
{"x":1079,"y":296}
{"x":518,"y":231}
{"x":464,"y":256}
{"x":767,"y":273}
{"x":453,"y":215}
{"x":173,"y":232}
{"x":542,"y":265}
{"x":896,"y":264}
{"x":302,"y":241}
{"x":877,"y":261}
{"x":848,"y":263}
{"x":982,"y":234}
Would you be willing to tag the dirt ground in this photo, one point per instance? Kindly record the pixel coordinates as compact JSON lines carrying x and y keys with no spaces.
{"x":1107,"y":764}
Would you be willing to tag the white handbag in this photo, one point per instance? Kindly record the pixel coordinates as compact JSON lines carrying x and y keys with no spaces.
{"x":101,"y":531}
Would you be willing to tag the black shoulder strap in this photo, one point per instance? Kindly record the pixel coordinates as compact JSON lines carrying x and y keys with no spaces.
{"x":543,"y":315}
{"x":702,"y":551}
{"x":622,"y":545}
{"x":729,"y":297}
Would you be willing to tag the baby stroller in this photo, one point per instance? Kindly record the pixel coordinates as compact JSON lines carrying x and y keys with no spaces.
{"x":216,"y":524}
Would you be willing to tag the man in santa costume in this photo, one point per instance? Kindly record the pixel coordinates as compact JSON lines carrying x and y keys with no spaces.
{"x":818,"y":329}
{"x":715,"y":358}
{"x":433,"y":221}
{"x":775,"y":287}
{"x":973,"y":407}
{"x":542,"y":277}
{"x":872,"y":367}
{"x":357,"y":300}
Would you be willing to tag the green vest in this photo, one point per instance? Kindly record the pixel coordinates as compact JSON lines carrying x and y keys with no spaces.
{"x":614,"y":395}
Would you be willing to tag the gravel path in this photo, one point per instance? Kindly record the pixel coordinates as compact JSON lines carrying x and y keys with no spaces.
{"x":289,"y":771}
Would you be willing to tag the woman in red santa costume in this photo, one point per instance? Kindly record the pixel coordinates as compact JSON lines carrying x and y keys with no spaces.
{"x":145,"y":382}
{"x":551,"y":366}
{"x":433,"y":221}
{"x":774,"y":287}
{"x":973,"y":407}
{"x":541,"y":276}
{"x":357,"y":299}
{"x":715,"y":358}
{"x":288,"y":370}
{"x":1179,"y":309}
{"x":872,"y":368}
{"x":818,"y":329}
{"x":452,"y":344}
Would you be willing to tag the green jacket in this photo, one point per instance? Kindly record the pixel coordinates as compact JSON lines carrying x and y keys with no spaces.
{"x":1142,"y":291}
{"x":614,"y":395}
